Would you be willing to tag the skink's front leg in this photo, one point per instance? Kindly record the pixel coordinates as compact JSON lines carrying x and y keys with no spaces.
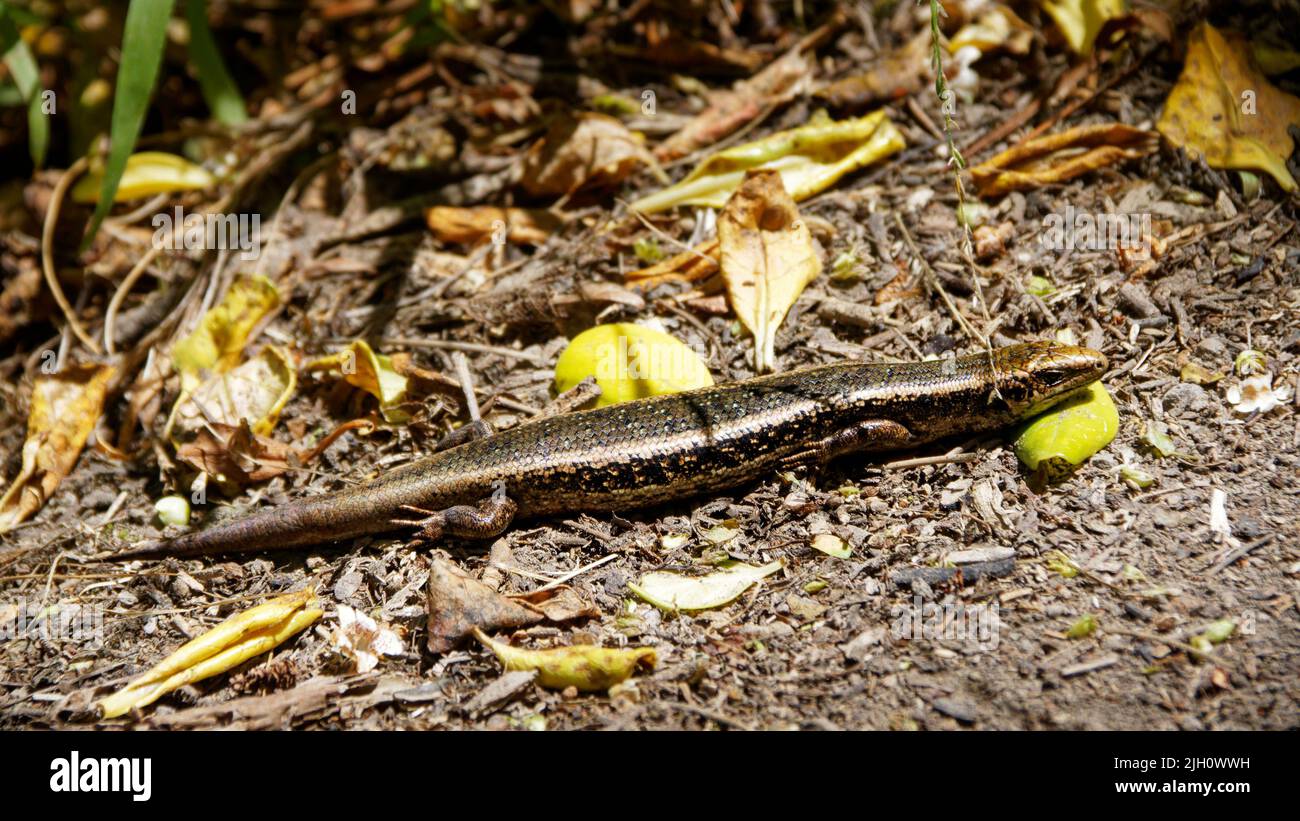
{"x":465,"y":433}
{"x":489,"y":518}
{"x":872,"y":434}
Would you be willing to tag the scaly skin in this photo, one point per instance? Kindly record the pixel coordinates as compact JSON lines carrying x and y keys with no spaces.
{"x":651,"y":451}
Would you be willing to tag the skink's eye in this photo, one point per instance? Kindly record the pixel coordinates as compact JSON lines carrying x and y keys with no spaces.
{"x":1052,"y":377}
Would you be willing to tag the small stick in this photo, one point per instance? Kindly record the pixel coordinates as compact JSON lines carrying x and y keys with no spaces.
{"x":115,"y":304}
{"x":47,"y":253}
{"x":933,"y":283}
{"x":574,"y":573}
{"x":920,"y":461}
{"x":466,"y":380}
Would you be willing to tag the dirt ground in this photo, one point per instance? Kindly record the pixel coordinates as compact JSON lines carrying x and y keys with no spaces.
{"x":1145,"y":563}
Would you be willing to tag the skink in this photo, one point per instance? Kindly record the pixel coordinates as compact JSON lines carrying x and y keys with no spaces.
{"x":651,"y":451}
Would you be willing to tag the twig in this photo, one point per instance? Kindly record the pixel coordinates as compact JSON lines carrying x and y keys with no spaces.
{"x":573,"y":573}
{"x":469,"y":347}
{"x":932,"y":282}
{"x":1238,"y":552}
{"x":466,"y":380}
{"x":47,"y":252}
{"x":115,"y":303}
{"x":711,"y":715}
{"x":921,"y":461}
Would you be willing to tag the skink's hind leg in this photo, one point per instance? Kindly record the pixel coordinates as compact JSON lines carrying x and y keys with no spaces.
{"x":872,"y":434}
{"x":487,"y":519}
{"x":465,"y":433}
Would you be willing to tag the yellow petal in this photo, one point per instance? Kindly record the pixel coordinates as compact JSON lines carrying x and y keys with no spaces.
{"x":1081,"y":20}
{"x":676,"y":592}
{"x":222,"y":333}
{"x":229,"y":643}
{"x":810,"y":159}
{"x":254,"y":644}
{"x":630,"y":362}
{"x":147,"y":173}
{"x":584,"y":667}
{"x":360,"y":366}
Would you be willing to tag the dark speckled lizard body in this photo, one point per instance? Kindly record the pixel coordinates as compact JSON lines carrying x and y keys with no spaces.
{"x":651,"y":451}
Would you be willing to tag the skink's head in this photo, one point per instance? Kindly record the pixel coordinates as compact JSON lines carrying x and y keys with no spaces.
{"x":1034,"y":376}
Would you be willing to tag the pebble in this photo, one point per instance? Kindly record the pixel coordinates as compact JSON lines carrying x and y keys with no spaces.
{"x":1212,"y":346}
{"x":1185,"y":399}
{"x":958,"y":708}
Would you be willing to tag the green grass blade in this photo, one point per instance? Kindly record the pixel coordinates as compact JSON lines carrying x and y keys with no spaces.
{"x":142,"y":48}
{"x":27,"y":77}
{"x":219,"y":90}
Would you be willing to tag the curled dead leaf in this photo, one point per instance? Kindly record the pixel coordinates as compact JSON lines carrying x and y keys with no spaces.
{"x":1055,"y":158}
{"x":893,"y":75}
{"x":64,"y":409}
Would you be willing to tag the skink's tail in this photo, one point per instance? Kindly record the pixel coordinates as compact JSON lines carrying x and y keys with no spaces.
{"x":275,"y":529}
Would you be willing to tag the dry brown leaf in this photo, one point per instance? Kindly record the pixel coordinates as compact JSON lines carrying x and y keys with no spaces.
{"x":1225,"y":109}
{"x":731,"y":108}
{"x":458,"y":603}
{"x":65,"y":407}
{"x":767,"y":258}
{"x":585,"y":150}
{"x":894,"y":75}
{"x":559,"y":604}
{"x":470,"y":226}
{"x":1055,"y":158}
{"x":234,"y":454}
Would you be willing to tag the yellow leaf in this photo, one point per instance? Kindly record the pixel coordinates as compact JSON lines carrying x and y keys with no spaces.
{"x":255,"y":391}
{"x":810,"y":159}
{"x":1226,"y":110}
{"x":232,"y":642}
{"x":584,"y":667}
{"x":630,"y":362}
{"x":64,"y":409}
{"x":832,"y":545}
{"x":1054,"y":158}
{"x":147,"y":173}
{"x":222,"y":333}
{"x":1081,"y":20}
{"x":1058,"y":441}
{"x":372,"y":372}
{"x":676,"y":592}
{"x":767,"y":258}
